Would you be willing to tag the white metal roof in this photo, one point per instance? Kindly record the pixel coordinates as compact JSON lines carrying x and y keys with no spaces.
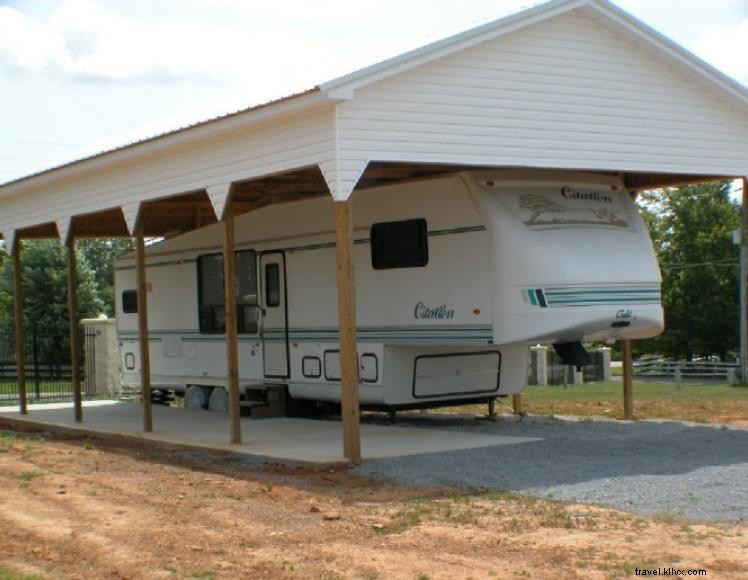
{"x":496,"y":95}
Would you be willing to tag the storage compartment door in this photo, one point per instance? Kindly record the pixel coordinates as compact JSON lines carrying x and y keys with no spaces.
{"x":469,"y":373}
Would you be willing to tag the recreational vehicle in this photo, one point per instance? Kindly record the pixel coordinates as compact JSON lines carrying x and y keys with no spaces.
{"x":456,"y":276}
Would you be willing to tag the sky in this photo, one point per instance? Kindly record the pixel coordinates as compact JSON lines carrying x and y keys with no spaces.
{"x":81,"y":76}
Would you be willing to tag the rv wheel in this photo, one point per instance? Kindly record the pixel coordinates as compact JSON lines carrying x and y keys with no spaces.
{"x":196,"y":397}
{"x":219,"y":400}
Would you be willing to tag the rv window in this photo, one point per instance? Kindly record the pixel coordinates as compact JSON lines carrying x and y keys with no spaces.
{"x":246,"y":292}
{"x":402,"y":244}
{"x":272,"y":285}
{"x":210,"y":294}
{"x":129,"y":301}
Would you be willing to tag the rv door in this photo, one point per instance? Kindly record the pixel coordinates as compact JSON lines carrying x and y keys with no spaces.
{"x":274,"y":331}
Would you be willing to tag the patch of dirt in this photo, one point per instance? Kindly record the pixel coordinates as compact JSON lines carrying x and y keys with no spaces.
{"x":74,"y":508}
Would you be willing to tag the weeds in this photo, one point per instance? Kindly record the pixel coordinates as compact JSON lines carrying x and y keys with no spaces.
{"x":28,"y":476}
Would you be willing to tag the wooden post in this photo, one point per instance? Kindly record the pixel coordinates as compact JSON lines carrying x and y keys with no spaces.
{"x":517,"y":404}
{"x":744,"y":286}
{"x":232,"y":348}
{"x":349,"y":401}
{"x":628,"y":383}
{"x":145,"y":354}
{"x":75,"y":367}
{"x":20,"y":337}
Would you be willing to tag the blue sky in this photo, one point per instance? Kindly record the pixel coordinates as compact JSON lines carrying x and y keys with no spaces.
{"x":80,"y":76}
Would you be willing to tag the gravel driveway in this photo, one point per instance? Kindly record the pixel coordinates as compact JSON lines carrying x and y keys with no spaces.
{"x":645,"y":467}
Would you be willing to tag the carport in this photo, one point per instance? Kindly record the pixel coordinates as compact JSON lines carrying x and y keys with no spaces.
{"x":571,"y":85}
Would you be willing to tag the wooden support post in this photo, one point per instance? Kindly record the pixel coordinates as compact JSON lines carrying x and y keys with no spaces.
{"x":517,"y":404}
{"x":75,"y":367}
{"x":628,"y":382}
{"x":232,"y":348}
{"x":20,"y":336}
{"x":744,"y":287}
{"x":349,"y":401}
{"x":145,"y":354}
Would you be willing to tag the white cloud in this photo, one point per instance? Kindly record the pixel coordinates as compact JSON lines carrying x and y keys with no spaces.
{"x":726,"y":47}
{"x":81,"y":39}
{"x":254,"y":51}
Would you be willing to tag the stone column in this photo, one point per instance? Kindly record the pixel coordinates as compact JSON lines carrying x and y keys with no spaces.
{"x":539,"y":365}
{"x":102,"y":356}
{"x":602,"y":363}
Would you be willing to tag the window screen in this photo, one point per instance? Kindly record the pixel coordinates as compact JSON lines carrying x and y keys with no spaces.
{"x":272,"y":285}
{"x":211,"y":298}
{"x":402,"y":244}
{"x":246,"y":292}
{"x":210,"y":294}
{"x":129,"y":301}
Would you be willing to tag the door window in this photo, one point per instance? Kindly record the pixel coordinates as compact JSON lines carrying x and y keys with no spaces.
{"x":272,"y":285}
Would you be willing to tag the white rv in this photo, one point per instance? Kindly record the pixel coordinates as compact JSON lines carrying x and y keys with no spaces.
{"x":456,"y":277}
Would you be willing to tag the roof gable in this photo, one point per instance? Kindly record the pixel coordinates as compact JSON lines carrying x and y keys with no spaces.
{"x":575,"y":91}
{"x":602,"y":10}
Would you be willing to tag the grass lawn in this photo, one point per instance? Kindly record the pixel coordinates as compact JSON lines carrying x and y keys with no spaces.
{"x":700,"y":403}
{"x":45,"y":388}
{"x":721,"y":404}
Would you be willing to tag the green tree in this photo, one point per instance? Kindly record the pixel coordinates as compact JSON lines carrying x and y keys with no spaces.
{"x":100,"y":255}
{"x":45,"y":289}
{"x":691,"y":228}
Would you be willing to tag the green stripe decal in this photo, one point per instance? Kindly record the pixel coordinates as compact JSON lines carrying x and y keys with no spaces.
{"x":567,"y":296}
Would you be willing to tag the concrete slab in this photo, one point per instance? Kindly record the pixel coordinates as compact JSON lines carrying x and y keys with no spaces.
{"x":285,"y":440}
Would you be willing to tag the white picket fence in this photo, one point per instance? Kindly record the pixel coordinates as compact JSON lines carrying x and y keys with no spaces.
{"x":682,"y":370}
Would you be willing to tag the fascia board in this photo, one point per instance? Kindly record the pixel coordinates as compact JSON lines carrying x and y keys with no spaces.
{"x":686,"y":59}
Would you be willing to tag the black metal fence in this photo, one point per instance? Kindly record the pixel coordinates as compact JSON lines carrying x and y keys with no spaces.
{"x":48,"y":368}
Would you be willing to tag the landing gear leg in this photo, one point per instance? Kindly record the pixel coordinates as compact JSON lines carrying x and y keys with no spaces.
{"x":491,"y":409}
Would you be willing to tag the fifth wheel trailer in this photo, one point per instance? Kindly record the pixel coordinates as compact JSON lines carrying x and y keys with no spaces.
{"x":456,"y":277}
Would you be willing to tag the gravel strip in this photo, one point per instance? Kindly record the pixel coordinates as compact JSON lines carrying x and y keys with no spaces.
{"x":646,"y":467}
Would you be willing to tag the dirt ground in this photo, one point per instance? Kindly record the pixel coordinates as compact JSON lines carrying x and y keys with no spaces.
{"x":76,"y":508}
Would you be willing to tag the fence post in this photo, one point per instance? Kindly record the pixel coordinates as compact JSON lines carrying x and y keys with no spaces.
{"x":628,"y":381}
{"x":18,"y":320}
{"x":35,"y":348}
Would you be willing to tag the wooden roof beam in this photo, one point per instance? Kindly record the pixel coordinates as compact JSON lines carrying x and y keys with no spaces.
{"x":641,"y":181}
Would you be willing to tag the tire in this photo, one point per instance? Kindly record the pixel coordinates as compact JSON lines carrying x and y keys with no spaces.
{"x":219,"y":400}
{"x":196,"y":397}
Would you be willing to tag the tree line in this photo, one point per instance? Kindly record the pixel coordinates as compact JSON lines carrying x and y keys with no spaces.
{"x":44,"y":282}
{"x":691,"y":229}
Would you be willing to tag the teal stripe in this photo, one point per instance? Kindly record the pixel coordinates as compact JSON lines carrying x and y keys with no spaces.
{"x":584,"y":292}
{"x":605,"y":300}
